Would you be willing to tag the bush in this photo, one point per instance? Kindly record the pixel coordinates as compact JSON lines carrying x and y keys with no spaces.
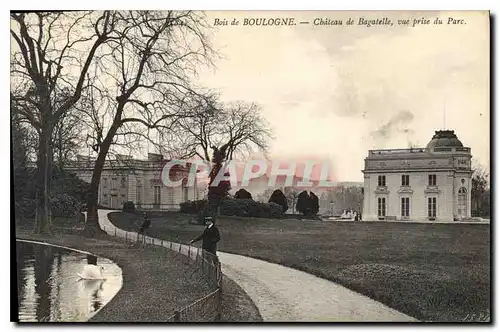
{"x":314,"y":203}
{"x":304,"y":203}
{"x":279,"y":198}
{"x":236,"y":207}
{"x":250,"y":208}
{"x":64,"y":205}
{"x":129,"y":207}
{"x":193,"y":207}
{"x":25,"y":208}
{"x":242,"y":194}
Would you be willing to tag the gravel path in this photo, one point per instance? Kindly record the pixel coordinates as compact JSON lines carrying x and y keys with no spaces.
{"x":284,"y":294}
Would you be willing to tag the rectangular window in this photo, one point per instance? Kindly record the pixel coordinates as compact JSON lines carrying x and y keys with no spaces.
{"x":105,"y":182}
{"x":123,"y":184}
{"x":381,"y":180}
{"x":405,"y":207}
{"x":157,"y":195}
{"x":138,"y":194}
{"x":431,"y":207}
{"x":405,"y":180}
{"x":432,"y":180}
{"x":170,"y":195}
{"x":113,"y":183}
{"x":381,"y":206}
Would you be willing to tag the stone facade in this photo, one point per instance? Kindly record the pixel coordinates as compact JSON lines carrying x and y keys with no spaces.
{"x":432,"y":183}
{"x":139,"y":181}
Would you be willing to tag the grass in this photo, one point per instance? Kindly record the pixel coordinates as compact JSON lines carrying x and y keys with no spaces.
{"x":236,"y":304}
{"x":58,"y":223}
{"x":433,"y":272}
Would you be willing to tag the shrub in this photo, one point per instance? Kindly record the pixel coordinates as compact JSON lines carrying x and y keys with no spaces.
{"x":304,"y":203}
{"x":314,"y":201}
{"x":279,"y":198}
{"x":235,"y":207}
{"x":129,"y":207}
{"x":64,"y":205}
{"x":193,"y":207}
{"x":242,"y":194}
{"x":250,"y":208}
{"x":25,"y":208}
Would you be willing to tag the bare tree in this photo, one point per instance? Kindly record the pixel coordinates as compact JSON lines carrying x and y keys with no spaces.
{"x":67,"y":139}
{"x":229,"y":130}
{"x":141,"y":79}
{"x":236,"y":129}
{"x":50,"y":57}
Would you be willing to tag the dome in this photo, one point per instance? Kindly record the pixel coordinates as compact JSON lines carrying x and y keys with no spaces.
{"x":444,"y":138}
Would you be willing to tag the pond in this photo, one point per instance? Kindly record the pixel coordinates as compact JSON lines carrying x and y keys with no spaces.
{"x":49,"y":289}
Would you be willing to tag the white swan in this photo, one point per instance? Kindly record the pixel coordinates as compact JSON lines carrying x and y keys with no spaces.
{"x":92,"y":272}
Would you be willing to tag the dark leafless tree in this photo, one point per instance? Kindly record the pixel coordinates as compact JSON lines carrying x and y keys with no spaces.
{"x":141,"y":81}
{"x":235,"y":130}
{"x":50,"y":57}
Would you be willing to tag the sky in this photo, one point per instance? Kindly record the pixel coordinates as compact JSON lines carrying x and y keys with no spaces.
{"x":337,"y":91}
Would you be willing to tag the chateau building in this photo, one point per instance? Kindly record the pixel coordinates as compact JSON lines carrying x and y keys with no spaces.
{"x":139,"y":181}
{"x":431,"y":183}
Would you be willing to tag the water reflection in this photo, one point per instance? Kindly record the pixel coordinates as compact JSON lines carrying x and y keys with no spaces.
{"x":49,"y":289}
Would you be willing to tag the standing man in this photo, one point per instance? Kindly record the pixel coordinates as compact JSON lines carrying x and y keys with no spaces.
{"x":145,"y":224}
{"x":210,"y":238}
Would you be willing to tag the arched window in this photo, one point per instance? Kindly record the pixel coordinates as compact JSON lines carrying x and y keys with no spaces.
{"x":462,"y":202}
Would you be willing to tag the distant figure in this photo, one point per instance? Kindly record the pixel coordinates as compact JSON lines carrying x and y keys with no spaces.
{"x":145,"y":224}
{"x":210,"y":238}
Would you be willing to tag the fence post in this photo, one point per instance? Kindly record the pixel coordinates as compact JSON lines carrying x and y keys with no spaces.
{"x":219,"y":305}
{"x":189,"y":253}
{"x":162,"y":242}
{"x":213,"y":271}
{"x":177,"y":316}
{"x":115,"y":231}
{"x":126,"y":236}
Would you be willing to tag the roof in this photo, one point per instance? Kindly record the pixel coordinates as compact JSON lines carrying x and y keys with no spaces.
{"x":444,"y":138}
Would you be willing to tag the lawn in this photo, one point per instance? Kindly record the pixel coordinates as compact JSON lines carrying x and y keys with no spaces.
{"x":433,"y":272}
{"x":58,"y":223}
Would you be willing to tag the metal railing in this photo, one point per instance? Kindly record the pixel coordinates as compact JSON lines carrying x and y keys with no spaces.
{"x":207,"y":308}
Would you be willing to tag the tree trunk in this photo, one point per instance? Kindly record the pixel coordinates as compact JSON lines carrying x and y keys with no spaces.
{"x":92,"y":224}
{"x":43,"y":215}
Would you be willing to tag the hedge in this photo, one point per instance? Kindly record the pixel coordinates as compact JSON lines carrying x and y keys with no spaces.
{"x":236,"y":207}
{"x":129,"y":207}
